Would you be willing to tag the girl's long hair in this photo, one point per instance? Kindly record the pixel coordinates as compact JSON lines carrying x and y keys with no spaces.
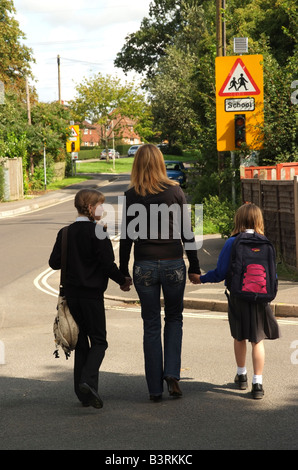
{"x":248,"y":216}
{"x":148,"y":174}
{"x":86,"y":198}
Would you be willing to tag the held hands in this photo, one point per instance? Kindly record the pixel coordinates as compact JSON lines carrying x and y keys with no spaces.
{"x":126,"y":286}
{"x":194,"y":278}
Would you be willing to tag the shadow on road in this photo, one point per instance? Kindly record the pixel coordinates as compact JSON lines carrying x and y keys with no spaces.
{"x":44,"y":414}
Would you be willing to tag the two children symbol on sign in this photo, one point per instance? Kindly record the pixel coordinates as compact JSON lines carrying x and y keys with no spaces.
{"x":238,"y":84}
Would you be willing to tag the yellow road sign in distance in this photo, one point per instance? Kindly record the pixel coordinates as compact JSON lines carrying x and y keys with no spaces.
{"x":239,"y":90}
{"x":73,"y":142}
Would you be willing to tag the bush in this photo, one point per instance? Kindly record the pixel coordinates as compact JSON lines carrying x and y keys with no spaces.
{"x":123,"y":148}
{"x":218,"y":215}
{"x":87,"y":153}
{"x":36,"y":181}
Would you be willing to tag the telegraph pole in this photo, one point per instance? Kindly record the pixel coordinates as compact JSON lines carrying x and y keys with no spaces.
{"x":220,"y":51}
{"x":28,"y":102}
{"x":59,"y":81}
{"x":223,"y":26}
{"x":218,"y":29}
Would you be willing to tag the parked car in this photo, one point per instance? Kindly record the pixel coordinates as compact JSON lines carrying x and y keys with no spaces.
{"x":176,"y":171}
{"x":132,"y":150}
{"x":112,"y":152}
{"x":164,"y":148}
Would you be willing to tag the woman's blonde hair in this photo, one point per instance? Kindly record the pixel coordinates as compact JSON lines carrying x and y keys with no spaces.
{"x":148,"y":174}
{"x":86,"y":198}
{"x":248,"y":216}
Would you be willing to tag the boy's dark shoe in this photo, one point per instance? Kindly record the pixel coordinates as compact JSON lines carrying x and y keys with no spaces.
{"x":92,"y":396}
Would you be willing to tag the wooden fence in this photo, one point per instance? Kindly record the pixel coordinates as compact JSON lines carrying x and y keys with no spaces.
{"x":279,"y":202}
{"x":13,"y":174}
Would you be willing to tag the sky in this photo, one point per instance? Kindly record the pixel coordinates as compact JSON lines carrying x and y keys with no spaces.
{"x":87,"y":35}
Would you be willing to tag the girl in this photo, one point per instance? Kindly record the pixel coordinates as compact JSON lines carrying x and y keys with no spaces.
{"x":248,"y":321}
{"x":90,"y":263}
{"x":158,"y":264}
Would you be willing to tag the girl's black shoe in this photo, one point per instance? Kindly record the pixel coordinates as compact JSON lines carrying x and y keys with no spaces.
{"x":241,"y":381}
{"x":257,"y":391}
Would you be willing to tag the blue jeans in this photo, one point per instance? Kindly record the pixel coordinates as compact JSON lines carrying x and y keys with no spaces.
{"x":149,"y":278}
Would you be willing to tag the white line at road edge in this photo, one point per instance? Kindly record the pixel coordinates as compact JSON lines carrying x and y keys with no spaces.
{"x":202,"y":314}
{"x":41,"y":281}
{"x":42,"y":278}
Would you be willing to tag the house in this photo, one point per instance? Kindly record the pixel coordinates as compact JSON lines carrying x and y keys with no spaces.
{"x":119,"y":128}
{"x":122,"y":128}
{"x":90,"y":134}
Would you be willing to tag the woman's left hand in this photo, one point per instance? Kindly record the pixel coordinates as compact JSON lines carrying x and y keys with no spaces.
{"x":194,"y":278}
{"x":126,"y":286}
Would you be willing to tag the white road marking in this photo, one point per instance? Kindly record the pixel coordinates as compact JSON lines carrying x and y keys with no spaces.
{"x":214,"y":316}
{"x":41,"y":283}
{"x":41,"y":280}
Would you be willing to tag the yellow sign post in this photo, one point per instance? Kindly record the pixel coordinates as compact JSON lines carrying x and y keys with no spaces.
{"x":73,"y":142}
{"x":239,"y":100}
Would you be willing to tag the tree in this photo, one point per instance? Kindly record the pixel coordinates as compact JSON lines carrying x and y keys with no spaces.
{"x":50,"y":122}
{"x":102,"y":98}
{"x":271,"y":28}
{"x":144,"y":48}
{"x":270,"y":21}
{"x":49,"y":126}
{"x":281,"y":116}
{"x":172,"y":99}
{"x":15,"y":57}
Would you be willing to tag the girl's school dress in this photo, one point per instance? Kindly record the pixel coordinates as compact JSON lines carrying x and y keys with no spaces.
{"x":251,"y":321}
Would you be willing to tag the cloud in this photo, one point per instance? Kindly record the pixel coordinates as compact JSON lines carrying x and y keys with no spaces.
{"x":86,"y":35}
{"x":85,"y":15}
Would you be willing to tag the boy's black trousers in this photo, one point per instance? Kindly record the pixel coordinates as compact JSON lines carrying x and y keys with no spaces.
{"x":89,"y":313}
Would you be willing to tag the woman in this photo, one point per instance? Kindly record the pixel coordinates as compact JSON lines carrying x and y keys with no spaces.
{"x":90,"y":263}
{"x":157,"y":232}
{"x":248,"y":321}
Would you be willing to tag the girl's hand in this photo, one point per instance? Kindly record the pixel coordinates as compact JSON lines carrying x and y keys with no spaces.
{"x":194,"y":278}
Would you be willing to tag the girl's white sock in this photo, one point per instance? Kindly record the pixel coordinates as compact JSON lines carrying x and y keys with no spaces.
{"x":241,"y":370}
{"x":257,"y":379}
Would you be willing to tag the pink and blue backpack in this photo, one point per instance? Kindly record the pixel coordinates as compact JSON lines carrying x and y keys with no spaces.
{"x":252,"y":274}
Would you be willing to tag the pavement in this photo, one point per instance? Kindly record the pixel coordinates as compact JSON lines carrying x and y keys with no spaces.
{"x":200,"y":297}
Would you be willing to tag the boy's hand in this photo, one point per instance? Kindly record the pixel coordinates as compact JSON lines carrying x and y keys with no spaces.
{"x":126,"y":286}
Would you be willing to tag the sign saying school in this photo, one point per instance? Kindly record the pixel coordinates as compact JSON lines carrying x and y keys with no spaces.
{"x":239,"y":102}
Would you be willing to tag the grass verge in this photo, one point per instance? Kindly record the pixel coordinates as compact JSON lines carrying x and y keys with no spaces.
{"x":121,"y":165}
{"x":66,"y":182}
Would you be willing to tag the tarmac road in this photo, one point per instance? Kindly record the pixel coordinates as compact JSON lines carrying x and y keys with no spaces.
{"x":39,"y":411}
